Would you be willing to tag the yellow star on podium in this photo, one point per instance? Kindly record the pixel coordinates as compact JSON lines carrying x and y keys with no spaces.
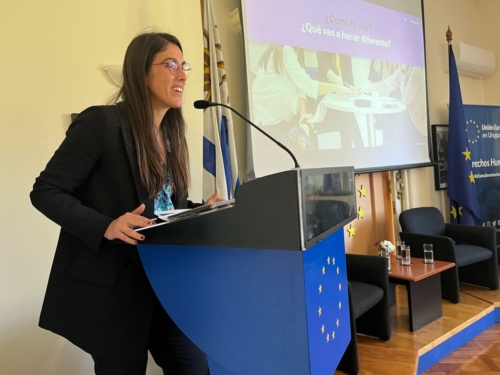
{"x":362,"y":191}
{"x":323,"y":270}
{"x":333,"y":261}
{"x":333,"y":335}
{"x":322,"y":329}
{"x":471,"y":177}
{"x":327,"y":337}
{"x":361,"y":213}
{"x":328,"y":260}
{"x":352,"y":231}
{"x":319,"y":311}
{"x":467,"y":154}
{"x":320,"y":289}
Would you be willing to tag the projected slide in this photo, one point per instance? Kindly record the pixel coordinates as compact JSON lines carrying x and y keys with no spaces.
{"x":339,"y":82}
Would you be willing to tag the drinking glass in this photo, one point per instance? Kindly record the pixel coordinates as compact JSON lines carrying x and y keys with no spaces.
{"x":405,"y":253}
{"x":398,"y":248}
{"x":428,"y":253}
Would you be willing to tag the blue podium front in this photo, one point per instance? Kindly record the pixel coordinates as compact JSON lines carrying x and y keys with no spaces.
{"x":252,"y":308}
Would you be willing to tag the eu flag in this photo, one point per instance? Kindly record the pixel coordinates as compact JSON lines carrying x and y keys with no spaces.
{"x":327,"y":303}
{"x":461,"y":181}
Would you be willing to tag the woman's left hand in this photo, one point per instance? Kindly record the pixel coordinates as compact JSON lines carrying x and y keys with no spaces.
{"x":214,"y":198}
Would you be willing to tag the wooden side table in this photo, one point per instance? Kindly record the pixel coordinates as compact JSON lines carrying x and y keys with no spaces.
{"x":423,"y":284}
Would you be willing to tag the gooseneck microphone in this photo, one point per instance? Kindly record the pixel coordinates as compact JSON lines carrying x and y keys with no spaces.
{"x":203,"y":104}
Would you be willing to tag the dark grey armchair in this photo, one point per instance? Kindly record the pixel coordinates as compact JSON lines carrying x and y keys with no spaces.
{"x":369,"y":309}
{"x":471,"y":248}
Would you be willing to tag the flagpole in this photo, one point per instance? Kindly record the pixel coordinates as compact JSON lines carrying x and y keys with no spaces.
{"x":449,"y":38}
{"x":449,"y":35}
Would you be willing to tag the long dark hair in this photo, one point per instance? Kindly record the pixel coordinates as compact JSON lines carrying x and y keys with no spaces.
{"x":137,"y":105}
{"x":276,"y":51}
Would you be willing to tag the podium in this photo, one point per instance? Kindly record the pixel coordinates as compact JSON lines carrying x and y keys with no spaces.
{"x":261,"y":286}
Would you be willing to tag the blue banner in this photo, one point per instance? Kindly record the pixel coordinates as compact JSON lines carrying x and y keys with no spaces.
{"x":483,"y":131}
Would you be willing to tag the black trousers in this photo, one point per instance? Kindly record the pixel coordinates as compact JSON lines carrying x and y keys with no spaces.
{"x":169,"y":347}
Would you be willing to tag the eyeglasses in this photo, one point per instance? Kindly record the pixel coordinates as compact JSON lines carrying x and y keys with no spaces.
{"x":173,"y":65}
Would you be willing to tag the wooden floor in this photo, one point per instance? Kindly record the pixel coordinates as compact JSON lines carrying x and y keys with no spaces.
{"x":479,"y":356}
{"x":399,"y":356}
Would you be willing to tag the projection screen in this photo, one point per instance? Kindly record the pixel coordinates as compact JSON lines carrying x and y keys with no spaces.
{"x":339,"y":82}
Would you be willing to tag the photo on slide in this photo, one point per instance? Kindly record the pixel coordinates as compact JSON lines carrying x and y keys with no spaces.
{"x":337,"y":85}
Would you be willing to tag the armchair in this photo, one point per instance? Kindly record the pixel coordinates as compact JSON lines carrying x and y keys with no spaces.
{"x":471,"y":248}
{"x":369,"y":309}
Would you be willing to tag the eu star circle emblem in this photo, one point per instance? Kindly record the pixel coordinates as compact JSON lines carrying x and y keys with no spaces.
{"x":473,"y":131}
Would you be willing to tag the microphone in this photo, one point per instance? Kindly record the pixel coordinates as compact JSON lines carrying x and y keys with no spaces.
{"x":203,"y":104}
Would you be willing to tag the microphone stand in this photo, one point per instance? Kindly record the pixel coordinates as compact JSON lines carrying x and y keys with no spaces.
{"x":212,"y":104}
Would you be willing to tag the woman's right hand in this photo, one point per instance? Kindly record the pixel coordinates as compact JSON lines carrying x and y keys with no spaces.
{"x":122,"y":228}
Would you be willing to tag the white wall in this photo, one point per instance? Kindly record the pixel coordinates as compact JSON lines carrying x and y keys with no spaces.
{"x":50,"y":54}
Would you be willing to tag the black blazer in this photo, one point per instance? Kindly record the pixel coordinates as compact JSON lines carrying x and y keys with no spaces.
{"x":98,"y":295}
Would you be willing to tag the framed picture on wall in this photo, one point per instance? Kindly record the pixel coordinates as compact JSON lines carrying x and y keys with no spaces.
{"x":440,"y":152}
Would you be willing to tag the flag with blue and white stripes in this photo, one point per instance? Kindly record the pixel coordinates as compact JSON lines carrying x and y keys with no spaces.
{"x":220,"y":167}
